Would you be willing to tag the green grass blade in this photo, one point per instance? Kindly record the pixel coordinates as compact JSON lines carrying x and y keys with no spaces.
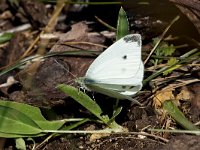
{"x":5,"y":37}
{"x":122,"y":24}
{"x":84,"y":100}
{"x":117,"y":111}
{"x":173,"y":111}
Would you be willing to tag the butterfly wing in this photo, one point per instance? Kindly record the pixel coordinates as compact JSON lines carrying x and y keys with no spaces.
{"x":122,"y":89}
{"x":119,"y":64}
{"x":111,"y":92}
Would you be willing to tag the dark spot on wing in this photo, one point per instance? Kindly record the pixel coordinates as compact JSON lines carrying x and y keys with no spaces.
{"x":133,"y":38}
{"x":123,"y":70}
{"x":124,"y":57}
{"x":127,"y":87}
{"x":123,"y":86}
{"x":131,"y":87}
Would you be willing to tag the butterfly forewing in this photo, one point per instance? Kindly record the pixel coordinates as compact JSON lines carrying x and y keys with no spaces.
{"x":120,"y":63}
{"x":119,"y":70}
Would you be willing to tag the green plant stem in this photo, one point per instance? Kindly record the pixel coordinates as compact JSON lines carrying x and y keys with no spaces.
{"x":105,"y":24}
{"x":197,"y":132}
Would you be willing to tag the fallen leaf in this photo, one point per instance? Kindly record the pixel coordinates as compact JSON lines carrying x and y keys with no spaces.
{"x":185,"y":94}
{"x":162,"y":96}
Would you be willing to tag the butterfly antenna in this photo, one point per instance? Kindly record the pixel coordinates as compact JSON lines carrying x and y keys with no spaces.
{"x":66,"y":69}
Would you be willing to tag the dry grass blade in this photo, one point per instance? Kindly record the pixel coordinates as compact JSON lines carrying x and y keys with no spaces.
{"x":88,"y":43}
{"x":49,"y":27}
{"x":161,"y":38}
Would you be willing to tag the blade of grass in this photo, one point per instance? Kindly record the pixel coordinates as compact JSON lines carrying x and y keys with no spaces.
{"x":122,"y":24}
{"x":67,"y":53}
{"x":105,"y":24}
{"x":84,"y":100}
{"x":176,"y":131}
{"x":5,"y":37}
{"x":90,"y":105}
{"x":70,"y":127}
{"x":177,"y":115}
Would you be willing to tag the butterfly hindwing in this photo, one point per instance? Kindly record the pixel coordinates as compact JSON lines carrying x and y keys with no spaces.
{"x":111,"y":92}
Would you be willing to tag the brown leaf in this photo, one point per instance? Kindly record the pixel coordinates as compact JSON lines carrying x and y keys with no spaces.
{"x":162,"y":96}
{"x":184,"y":94}
{"x":79,"y":33}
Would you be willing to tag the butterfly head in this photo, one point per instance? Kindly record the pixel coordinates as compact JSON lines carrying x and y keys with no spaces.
{"x":82,"y":81}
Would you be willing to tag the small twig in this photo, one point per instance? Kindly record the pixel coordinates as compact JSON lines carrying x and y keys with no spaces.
{"x":17,"y":29}
{"x":32,"y":45}
{"x":106,"y":131}
{"x":48,"y":28}
{"x":105,"y":24}
{"x":135,"y":133}
{"x":197,"y":123}
{"x":176,"y":131}
{"x":177,"y":85}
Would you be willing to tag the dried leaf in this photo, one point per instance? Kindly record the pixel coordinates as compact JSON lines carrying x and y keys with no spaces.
{"x":162,"y":96}
{"x":185,"y":94}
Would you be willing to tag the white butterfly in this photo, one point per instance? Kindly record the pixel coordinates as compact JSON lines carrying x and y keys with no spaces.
{"x":118,"y":71}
